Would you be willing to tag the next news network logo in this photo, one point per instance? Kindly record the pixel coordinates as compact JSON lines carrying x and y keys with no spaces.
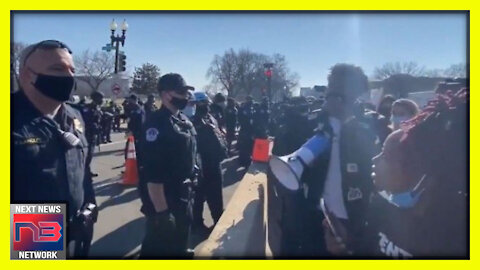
{"x":38,"y":231}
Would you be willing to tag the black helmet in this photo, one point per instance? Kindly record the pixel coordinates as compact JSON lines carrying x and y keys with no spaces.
{"x":133,"y":97}
{"x":96,"y":95}
{"x":219,"y":97}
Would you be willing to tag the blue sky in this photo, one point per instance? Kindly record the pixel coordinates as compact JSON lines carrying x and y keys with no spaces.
{"x":312,"y":42}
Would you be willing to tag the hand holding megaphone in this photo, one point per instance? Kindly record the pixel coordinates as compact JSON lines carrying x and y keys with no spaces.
{"x":289,"y":169}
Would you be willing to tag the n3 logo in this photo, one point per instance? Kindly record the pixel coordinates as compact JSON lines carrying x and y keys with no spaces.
{"x":38,"y":232}
{"x":46,"y":232}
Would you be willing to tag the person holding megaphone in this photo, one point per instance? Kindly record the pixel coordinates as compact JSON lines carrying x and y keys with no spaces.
{"x":333,"y":165}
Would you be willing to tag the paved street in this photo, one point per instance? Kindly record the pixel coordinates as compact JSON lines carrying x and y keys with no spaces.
{"x":120,"y":227}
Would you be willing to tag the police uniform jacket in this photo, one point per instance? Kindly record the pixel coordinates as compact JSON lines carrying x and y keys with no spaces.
{"x":231,"y":117}
{"x":92,"y":115}
{"x":169,"y":156}
{"x":137,"y":117}
{"x":219,"y":114}
{"x":245,"y":117}
{"x":211,"y":142}
{"x":45,"y":167}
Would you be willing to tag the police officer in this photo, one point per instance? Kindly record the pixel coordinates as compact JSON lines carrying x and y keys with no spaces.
{"x":92,"y":114}
{"x":108,"y":114}
{"x":246,"y":133}
{"x":49,"y":144}
{"x":126,"y":109}
{"x":294,"y":127}
{"x":262,"y":119}
{"x":150,"y":105}
{"x":212,"y":147}
{"x":169,"y":161}
{"x":217,"y":109}
{"x":116,"y":116}
{"x":189,"y":110}
{"x":231,"y":114}
{"x":136,"y":117}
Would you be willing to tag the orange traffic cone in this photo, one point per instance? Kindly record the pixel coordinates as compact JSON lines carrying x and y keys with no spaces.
{"x":261,"y":150}
{"x":130,"y":177}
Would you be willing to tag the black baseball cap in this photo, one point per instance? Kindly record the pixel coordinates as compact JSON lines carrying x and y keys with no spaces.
{"x":173,"y":82}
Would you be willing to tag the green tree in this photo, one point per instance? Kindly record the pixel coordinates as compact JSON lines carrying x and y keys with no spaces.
{"x":145,"y":79}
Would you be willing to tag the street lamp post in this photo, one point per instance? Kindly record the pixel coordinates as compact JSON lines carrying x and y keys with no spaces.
{"x":268,"y":73}
{"x":117,"y":39}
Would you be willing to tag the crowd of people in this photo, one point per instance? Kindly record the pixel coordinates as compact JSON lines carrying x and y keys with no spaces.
{"x":394,"y":178}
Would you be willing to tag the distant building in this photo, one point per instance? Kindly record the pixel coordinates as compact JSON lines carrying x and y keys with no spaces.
{"x":106,"y":87}
{"x":422,"y":98}
{"x":313,"y":91}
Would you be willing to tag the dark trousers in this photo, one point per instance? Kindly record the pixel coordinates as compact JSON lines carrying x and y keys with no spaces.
{"x":91,"y":148}
{"x":116,"y":123}
{"x":302,"y":229}
{"x":230,"y":136}
{"x":107,"y":130}
{"x":159,"y":242}
{"x":210,"y":190}
{"x":79,"y":239}
{"x":245,"y":147}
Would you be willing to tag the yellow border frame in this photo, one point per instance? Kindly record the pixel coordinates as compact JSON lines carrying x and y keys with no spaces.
{"x":220,"y":5}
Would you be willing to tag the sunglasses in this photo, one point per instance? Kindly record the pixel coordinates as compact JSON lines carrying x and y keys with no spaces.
{"x":48,"y":44}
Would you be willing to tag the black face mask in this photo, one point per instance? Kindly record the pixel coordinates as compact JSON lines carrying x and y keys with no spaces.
{"x":202,"y":110}
{"x":99,"y":102}
{"x":179,"y":103}
{"x":59,"y":88}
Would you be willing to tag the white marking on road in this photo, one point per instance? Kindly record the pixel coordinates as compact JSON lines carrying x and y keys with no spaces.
{"x":117,"y":142}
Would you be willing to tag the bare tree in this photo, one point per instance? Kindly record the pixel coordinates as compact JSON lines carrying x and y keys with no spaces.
{"x":222,"y":70}
{"x":242,"y":73}
{"x":94,"y":68}
{"x":457,"y":70}
{"x":389,"y":69}
{"x":435,"y":73}
{"x":15,"y":49}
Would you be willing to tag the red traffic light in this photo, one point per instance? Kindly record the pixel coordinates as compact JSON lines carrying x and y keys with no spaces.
{"x":268,"y":73}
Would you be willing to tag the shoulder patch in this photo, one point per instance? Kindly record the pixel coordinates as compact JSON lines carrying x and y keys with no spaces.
{"x":78,"y":125}
{"x":151,"y":134}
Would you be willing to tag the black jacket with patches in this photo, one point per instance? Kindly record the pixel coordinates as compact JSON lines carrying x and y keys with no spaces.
{"x":45,"y":167}
{"x":359,"y":143}
{"x":169,"y":153}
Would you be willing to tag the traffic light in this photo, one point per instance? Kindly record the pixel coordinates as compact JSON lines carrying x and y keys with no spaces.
{"x":268,"y":73}
{"x":122,"y":62}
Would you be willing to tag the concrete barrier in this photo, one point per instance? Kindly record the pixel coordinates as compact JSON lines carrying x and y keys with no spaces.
{"x":273,"y":218}
{"x":241,"y":231}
